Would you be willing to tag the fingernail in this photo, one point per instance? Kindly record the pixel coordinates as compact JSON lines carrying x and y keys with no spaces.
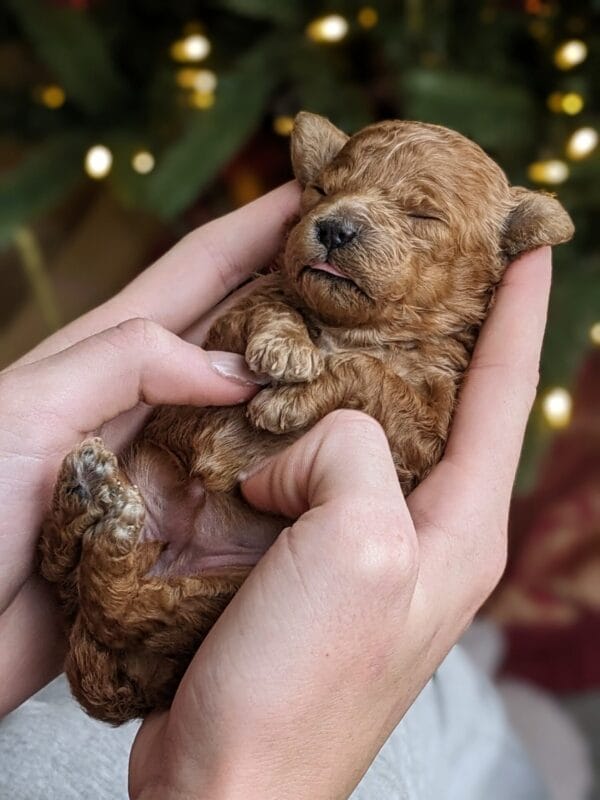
{"x":234,"y":368}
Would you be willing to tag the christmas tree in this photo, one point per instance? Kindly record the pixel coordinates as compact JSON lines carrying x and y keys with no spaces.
{"x":172,"y":107}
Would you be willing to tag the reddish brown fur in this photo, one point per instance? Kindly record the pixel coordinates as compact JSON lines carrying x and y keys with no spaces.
{"x":143,"y":573}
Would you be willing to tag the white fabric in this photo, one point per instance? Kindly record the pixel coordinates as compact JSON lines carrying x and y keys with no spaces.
{"x":453,"y":744}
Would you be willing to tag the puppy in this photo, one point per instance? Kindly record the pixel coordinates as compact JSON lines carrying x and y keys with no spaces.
{"x":405,"y":230}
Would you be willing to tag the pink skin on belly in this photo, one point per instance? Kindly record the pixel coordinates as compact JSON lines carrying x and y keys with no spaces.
{"x":205,"y":532}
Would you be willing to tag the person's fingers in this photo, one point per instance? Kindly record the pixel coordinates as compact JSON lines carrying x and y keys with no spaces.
{"x":118,"y":432}
{"x":336,"y":582}
{"x":194,"y":275}
{"x":502,"y":378}
{"x":345,"y":459}
{"x":461,"y":509}
{"x":111,"y":372}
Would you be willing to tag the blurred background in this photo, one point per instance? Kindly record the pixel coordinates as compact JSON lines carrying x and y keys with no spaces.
{"x":125,"y":124}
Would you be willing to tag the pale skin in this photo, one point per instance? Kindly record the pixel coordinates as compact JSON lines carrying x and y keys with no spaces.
{"x":351,"y":611}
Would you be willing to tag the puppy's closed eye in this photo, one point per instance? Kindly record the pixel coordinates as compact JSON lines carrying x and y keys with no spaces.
{"x":317,"y":188}
{"x":423,"y":215}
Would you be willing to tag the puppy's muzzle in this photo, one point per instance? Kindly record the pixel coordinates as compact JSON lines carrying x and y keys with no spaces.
{"x":334,"y":234}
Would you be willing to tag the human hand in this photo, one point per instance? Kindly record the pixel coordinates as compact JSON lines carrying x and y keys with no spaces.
{"x":99,"y":374}
{"x":352,"y":609}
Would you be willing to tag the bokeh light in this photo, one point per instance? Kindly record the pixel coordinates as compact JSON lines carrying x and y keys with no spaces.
{"x":98,"y":161}
{"x":557,"y":406}
{"x":551,"y":171}
{"x":332,"y":28}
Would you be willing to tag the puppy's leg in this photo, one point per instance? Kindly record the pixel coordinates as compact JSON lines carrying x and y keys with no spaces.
{"x":89,"y":546}
{"x":272,"y":335}
{"x":118,"y":685}
{"x":287,"y":409}
{"x":98,"y":521}
{"x":281,"y":347}
{"x":415,"y":423}
{"x":213,"y":444}
{"x":82,"y":492}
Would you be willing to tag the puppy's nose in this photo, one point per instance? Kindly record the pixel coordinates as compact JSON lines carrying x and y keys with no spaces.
{"x":333,"y":234}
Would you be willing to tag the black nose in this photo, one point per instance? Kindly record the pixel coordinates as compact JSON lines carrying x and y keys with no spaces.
{"x":333,"y":234}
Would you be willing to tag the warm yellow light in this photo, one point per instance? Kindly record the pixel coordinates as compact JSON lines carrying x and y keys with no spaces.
{"x":192,"y":48}
{"x":98,"y":161}
{"x":572,"y":103}
{"x":52,"y":96}
{"x":283,"y":125}
{"x":203,"y":80}
{"x":206,"y":81}
{"x":332,"y":28}
{"x":202,"y":100}
{"x":570,"y":54}
{"x":185,"y":77}
{"x":143,"y":162}
{"x":595,"y":334}
{"x":557,"y":406}
{"x":367,"y":17}
{"x":568,"y":103}
{"x":550,"y":171}
{"x":581,"y":143}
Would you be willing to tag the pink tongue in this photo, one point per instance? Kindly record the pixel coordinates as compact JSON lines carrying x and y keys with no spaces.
{"x":323,"y":266}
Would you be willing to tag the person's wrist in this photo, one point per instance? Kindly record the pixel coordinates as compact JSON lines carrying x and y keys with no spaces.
{"x":221,"y":773}
{"x":237,"y":776}
{"x":217,"y":789}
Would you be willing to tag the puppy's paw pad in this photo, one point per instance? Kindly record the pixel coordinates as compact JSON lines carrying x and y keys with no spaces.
{"x":91,"y":483}
{"x":86,"y":472}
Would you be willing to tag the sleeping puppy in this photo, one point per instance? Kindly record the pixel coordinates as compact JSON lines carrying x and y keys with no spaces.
{"x":404,"y":232}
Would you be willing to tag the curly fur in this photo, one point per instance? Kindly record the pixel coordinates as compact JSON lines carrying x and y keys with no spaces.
{"x":146,"y":553}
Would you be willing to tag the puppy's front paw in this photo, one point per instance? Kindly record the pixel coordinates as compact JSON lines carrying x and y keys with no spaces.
{"x":281,"y":410}
{"x":284,"y":358}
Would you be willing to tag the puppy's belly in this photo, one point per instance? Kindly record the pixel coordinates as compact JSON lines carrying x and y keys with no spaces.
{"x":205,"y":532}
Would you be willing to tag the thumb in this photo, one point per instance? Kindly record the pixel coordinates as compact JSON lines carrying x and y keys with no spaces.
{"x":137,"y":361}
{"x":344,"y":460}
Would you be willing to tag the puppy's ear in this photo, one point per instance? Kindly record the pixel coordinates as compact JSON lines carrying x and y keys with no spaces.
{"x":536,"y":218}
{"x":315,"y":142}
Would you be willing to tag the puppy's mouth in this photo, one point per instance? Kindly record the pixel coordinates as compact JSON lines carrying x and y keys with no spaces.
{"x":331,"y":269}
{"x":331,"y":274}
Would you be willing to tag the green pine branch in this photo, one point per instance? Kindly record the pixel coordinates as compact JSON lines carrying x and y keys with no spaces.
{"x":73,"y":47}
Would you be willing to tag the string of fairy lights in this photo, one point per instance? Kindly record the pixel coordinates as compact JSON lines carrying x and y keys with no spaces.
{"x":557,"y":402}
{"x":199,"y":86}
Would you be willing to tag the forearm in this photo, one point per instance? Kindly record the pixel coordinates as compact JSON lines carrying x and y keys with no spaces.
{"x":265,"y":776}
{"x":31,"y":644}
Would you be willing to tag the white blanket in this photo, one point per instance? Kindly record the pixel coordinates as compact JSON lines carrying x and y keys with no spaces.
{"x":453,"y":744}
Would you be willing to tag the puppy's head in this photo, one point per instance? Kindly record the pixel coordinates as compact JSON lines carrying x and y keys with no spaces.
{"x":405,"y":214}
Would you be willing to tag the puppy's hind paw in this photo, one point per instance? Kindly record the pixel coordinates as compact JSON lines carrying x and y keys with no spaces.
{"x":91,"y":496}
{"x":92,"y":486}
